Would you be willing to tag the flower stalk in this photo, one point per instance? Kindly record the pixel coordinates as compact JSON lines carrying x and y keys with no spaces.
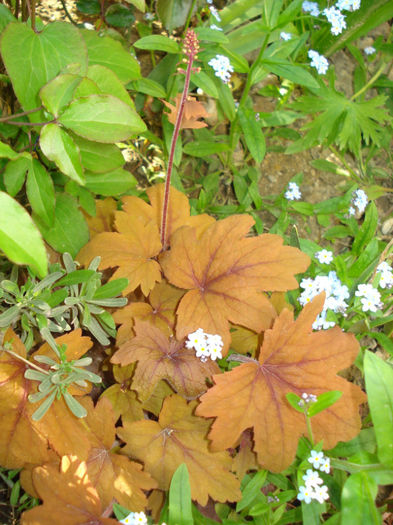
{"x":191,"y":48}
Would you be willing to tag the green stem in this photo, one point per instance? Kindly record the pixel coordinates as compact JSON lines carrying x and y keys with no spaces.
{"x":189,"y":15}
{"x":347,"y":166}
{"x":309,"y":429}
{"x":23,"y":114}
{"x":366,"y":86}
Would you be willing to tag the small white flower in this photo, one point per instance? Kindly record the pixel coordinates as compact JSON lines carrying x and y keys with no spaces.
{"x":135,"y":518}
{"x":196,"y":339}
{"x":311,"y":7}
{"x":321,"y":493}
{"x":305,"y":494}
{"x":359,"y":200}
{"x":215,"y":13}
{"x":88,"y":26}
{"x":316,"y":458}
{"x":370,"y":50}
{"x":312,"y":479}
{"x":293,"y":192}
{"x":318,"y":61}
{"x":324,"y":256}
{"x":149,"y":16}
{"x":222,"y":67}
{"x":325,"y":467}
{"x":285,"y":36}
{"x":386,"y":275}
{"x":216,"y":28}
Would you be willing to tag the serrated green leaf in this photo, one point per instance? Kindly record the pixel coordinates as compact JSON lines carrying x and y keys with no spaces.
{"x":31,"y":62}
{"x":109,"y":53}
{"x":108,"y":83}
{"x":19,"y":238}
{"x":58,"y":93}
{"x":59,"y":147}
{"x":102,"y":118}
{"x":15,"y":173}
{"x":379,"y":387}
{"x":113,"y":183}
{"x":41,"y":192}
{"x":69,"y":231}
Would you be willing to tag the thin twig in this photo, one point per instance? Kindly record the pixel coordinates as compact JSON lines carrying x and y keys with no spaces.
{"x":23,"y":114}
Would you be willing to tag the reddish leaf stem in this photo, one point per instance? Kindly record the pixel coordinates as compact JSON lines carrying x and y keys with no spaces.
{"x":175,"y":135}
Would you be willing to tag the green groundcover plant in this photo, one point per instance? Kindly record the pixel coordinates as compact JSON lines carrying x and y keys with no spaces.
{"x":176,"y":347}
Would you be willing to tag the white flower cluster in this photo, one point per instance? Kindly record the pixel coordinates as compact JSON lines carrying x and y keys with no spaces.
{"x":307,"y":399}
{"x":324,"y":256}
{"x":135,"y":518}
{"x":216,"y":28}
{"x":336,"y":293}
{"x":318,"y":61}
{"x":348,"y":5}
{"x":386,"y":278}
{"x":215,"y":13}
{"x":370,"y":50}
{"x":205,"y":345}
{"x":293,"y":192}
{"x":310,"y":7}
{"x":358,"y":203}
{"x":370,"y":297}
{"x":314,"y":488}
{"x":285,"y":36}
{"x":222,"y":67}
{"x":336,"y":19}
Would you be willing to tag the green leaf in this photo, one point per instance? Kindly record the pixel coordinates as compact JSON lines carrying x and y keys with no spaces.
{"x":41,"y":192}
{"x":15,"y":174}
{"x":111,"y":289}
{"x":32,"y":59}
{"x":211,"y":35}
{"x":118,"y":15}
{"x":324,"y":401}
{"x":173,"y":13}
{"x":97,"y":157}
{"x":113,"y":183}
{"x":102,"y":118}
{"x":180,"y":511}
{"x":139,"y":4}
{"x":148,"y":87}
{"x":203,"y":81}
{"x":252,"y":490}
{"x":19,"y":238}
{"x":357,"y":500}
{"x":294,"y":401}
{"x":384,"y":341}
{"x":59,"y":146}
{"x":69,"y":231}
{"x":379,"y":387}
{"x":367,"y":231}
{"x":58,"y":93}
{"x":89,"y":7}
{"x":44,"y":407}
{"x":7,"y":152}
{"x":158,"y":43}
{"x":253,"y":135}
{"x":364,"y":441}
{"x":76,"y":408}
{"x":5,"y":17}
{"x":108,"y":83}
{"x":204,"y":148}
{"x":109,"y":53}
{"x":296,"y":73}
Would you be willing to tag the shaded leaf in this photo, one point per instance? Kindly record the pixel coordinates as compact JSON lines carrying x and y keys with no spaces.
{"x":103,"y":221}
{"x":292,"y":359}
{"x":41,"y":192}
{"x":225,"y":274}
{"x":68,"y":495}
{"x":115,"y":182}
{"x":179,"y":437}
{"x":160,"y":357}
{"x":193,"y":111}
{"x":98,"y":157}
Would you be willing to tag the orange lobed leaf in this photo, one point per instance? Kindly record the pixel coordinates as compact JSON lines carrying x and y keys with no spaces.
{"x":179,"y":437}
{"x":104,"y":217}
{"x":225,"y":273}
{"x":160,"y":357}
{"x":136,"y":242}
{"x":163,"y":300}
{"x":112,"y":475}
{"x":68,"y":495}
{"x":292,"y":359}
{"x":193,"y":110}
{"x":20,"y":440}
